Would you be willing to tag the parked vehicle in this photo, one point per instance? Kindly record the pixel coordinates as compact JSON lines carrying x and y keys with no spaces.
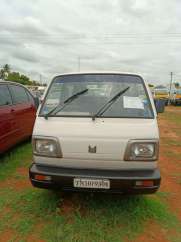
{"x":176,"y":97}
{"x":161,"y":93}
{"x":17,"y":114}
{"x":96,"y":132}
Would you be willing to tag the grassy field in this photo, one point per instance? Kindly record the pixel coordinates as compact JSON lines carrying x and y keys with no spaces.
{"x":29,"y":214}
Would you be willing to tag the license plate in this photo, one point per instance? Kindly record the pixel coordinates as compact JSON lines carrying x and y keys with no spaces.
{"x":91,"y":183}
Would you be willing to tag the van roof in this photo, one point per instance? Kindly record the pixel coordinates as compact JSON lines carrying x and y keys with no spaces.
{"x":99,"y":72}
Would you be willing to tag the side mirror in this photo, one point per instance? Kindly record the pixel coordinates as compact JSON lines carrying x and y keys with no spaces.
{"x":37,"y":102}
{"x":159,"y":105}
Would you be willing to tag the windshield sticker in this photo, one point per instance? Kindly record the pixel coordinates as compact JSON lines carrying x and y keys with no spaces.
{"x":132,"y":102}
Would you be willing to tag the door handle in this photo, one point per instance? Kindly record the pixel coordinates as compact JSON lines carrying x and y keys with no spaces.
{"x":12,"y":110}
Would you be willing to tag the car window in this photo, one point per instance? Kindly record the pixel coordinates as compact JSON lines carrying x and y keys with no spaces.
{"x":5,"y":97}
{"x":19,"y":94}
{"x":101,"y":88}
{"x":30,"y":96}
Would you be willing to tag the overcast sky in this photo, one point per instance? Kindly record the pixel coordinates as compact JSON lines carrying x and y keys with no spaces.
{"x":49,"y":37}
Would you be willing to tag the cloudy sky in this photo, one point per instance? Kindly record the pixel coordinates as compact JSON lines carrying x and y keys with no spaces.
{"x":49,"y":37}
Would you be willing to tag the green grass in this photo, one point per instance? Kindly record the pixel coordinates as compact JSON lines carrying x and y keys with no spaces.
{"x":17,"y":157}
{"x":110,"y":218}
{"x":96,"y":217}
{"x":174,"y":156}
{"x":171,"y":142}
{"x":172,"y":117}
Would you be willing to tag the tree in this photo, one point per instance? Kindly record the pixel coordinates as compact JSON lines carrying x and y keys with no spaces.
{"x":2,"y":74}
{"x":17,"y":77}
{"x":150,"y":85}
{"x":7,"y":74}
{"x":21,"y":78}
{"x":177,"y":85}
{"x":7,"y":68}
{"x":25,"y":79}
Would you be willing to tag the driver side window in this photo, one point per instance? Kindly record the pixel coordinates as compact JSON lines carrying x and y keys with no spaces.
{"x":5,"y":97}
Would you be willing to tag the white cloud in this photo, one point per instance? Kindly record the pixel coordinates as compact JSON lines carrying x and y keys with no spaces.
{"x":48,"y":37}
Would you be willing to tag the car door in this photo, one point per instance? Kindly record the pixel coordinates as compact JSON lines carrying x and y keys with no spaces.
{"x":23,"y":108}
{"x":31,"y":113}
{"x":9,"y":131}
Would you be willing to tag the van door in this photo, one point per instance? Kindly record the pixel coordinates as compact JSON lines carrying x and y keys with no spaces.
{"x":9,"y":131}
{"x":23,"y":109}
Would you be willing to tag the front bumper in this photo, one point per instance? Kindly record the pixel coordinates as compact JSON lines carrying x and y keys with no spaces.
{"x":120,"y":181}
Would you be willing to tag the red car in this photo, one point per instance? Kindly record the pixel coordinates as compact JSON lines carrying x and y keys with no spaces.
{"x":17,"y":114}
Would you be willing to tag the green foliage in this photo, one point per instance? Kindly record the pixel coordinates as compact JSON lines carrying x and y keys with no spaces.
{"x":2,"y":74}
{"x":7,"y":74}
{"x":150,"y":85}
{"x":6,"y":68}
{"x":177,"y":85}
{"x":16,"y":77}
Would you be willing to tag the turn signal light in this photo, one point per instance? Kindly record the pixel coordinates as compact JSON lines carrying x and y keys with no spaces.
{"x":42,"y":178}
{"x":146,"y":183}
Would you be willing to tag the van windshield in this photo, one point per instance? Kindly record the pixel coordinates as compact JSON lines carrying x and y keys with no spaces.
{"x":101,"y":88}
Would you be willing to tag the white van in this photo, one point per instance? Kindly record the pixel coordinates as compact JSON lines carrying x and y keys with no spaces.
{"x":96,"y":132}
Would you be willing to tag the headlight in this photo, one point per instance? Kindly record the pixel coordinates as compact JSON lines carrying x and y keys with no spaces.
{"x":143,"y":150}
{"x":46,"y":146}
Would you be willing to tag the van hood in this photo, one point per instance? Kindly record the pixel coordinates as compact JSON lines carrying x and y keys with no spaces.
{"x":102,"y":139}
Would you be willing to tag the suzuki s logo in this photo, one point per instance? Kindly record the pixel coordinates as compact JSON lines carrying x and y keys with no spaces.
{"x":92,"y":149}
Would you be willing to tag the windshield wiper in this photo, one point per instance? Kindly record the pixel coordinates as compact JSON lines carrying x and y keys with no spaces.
{"x":59,"y":107}
{"x":109,"y":103}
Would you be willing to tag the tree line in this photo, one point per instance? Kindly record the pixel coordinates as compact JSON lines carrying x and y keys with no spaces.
{"x":8,"y":75}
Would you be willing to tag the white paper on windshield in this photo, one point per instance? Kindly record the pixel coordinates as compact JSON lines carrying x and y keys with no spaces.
{"x":132,"y":102}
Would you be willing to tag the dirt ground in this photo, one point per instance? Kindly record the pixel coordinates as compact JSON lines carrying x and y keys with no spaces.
{"x":170,"y":167}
